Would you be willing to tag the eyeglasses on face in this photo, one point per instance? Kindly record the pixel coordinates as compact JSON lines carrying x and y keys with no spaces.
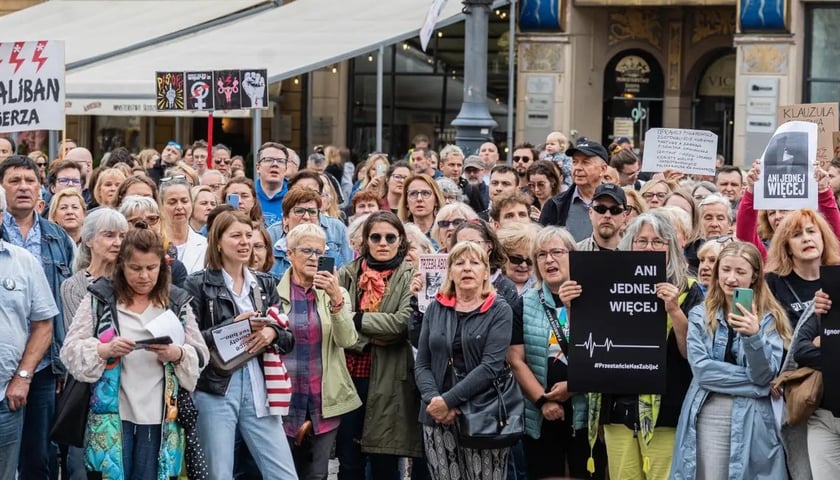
{"x":537,"y":185}
{"x":656,"y":243}
{"x":149,"y":220}
{"x":215,"y":186}
{"x":658,"y":195}
{"x":309,"y":252}
{"x":398,"y":176}
{"x":424,"y":194}
{"x":450,"y":223}
{"x":519,"y":260}
{"x":523,"y":159}
{"x":41,"y":164}
{"x":614,"y":210}
{"x":222,"y":161}
{"x":390,"y":238}
{"x":274,"y":160}
{"x":68,"y":181}
{"x":555,"y":253}
{"x":303,"y":211}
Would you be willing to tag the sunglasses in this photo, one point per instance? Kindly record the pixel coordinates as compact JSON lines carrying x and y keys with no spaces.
{"x":614,"y":210}
{"x":519,"y":260}
{"x":41,"y":164}
{"x":390,"y":238}
{"x":521,"y":159}
{"x":174,"y":144}
{"x":450,"y":223}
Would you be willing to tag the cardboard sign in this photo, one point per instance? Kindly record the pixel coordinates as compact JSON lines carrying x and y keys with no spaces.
{"x":433,"y":271}
{"x":830,"y":337}
{"x":824,"y":115}
{"x":835,"y":140}
{"x":230,"y":339}
{"x":787,"y":169}
{"x":227,"y":90}
{"x":254,"y":88}
{"x":169,"y":87}
{"x":688,"y":151}
{"x":31,"y":86}
{"x":199,"y":90}
{"x":618,"y":326}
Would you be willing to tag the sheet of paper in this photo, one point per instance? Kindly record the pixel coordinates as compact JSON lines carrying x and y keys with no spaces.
{"x":230,"y":339}
{"x":167,"y":324}
{"x":787,"y":169}
{"x":689,"y":151}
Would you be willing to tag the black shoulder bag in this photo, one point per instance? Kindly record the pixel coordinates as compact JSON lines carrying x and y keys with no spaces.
{"x":494,"y":418}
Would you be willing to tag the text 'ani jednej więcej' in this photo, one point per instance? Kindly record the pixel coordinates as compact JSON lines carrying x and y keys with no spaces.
{"x":635,"y":289}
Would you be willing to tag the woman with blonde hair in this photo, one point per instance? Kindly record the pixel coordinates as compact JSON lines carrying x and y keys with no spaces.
{"x":707,"y":255}
{"x":329,"y":197}
{"x":375,"y":170}
{"x":802,"y":243}
{"x":519,"y":266}
{"x":145,"y":212}
{"x":176,"y":208}
{"x":182,"y":170}
{"x":655,"y":192}
{"x":107,"y":184}
{"x":67,"y":210}
{"x":727,"y":426}
{"x":420,"y":202}
{"x":204,"y":200}
{"x":148,"y":157}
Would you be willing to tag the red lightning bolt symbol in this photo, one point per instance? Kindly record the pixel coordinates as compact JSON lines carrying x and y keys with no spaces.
{"x":13,"y":58}
{"x":36,"y":55}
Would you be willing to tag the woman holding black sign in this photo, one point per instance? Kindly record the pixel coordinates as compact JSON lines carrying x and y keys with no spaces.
{"x":727,"y":426}
{"x":639,"y":429}
{"x":555,"y":419}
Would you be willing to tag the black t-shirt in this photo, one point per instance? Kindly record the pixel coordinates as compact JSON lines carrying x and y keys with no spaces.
{"x":793,"y":292}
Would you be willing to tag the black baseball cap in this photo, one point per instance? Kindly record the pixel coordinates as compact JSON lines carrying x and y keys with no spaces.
{"x":613,"y":191}
{"x":590,"y":149}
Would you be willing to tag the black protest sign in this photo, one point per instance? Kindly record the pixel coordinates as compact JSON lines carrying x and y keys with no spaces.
{"x":618,"y":326}
{"x":169,"y":88}
{"x":227,"y":90}
{"x":786,"y":163}
{"x":254,"y":88}
{"x":830,"y":337}
{"x":199,"y":90}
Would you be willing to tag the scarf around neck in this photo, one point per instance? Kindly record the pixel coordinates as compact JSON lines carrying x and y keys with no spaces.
{"x":372,"y":281}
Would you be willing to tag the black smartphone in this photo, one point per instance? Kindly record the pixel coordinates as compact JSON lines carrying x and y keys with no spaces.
{"x":326,"y":264}
{"x":167,"y":340}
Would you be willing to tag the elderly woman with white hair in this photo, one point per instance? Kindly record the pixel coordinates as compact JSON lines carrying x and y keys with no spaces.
{"x":716,"y":216}
{"x":447,"y":220}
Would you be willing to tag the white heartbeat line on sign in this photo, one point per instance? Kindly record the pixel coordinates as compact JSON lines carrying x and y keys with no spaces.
{"x":608,"y":344}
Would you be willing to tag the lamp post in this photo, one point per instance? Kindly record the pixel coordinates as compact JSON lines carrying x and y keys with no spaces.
{"x":474,"y":125}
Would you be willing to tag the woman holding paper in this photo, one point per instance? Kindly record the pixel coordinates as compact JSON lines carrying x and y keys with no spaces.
{"x":727,"y":426}
{"x":132,"y":428}
{"x":232,"y":393}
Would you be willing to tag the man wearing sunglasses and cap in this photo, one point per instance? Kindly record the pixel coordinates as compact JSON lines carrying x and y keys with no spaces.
{"x":607,"y":213}
{"x":570,"y":209}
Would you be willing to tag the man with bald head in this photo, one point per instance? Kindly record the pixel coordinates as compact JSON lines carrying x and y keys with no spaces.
{"x":83,"y":158}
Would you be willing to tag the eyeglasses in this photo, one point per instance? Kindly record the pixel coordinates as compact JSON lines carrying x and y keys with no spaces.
{"x":398,"y":176}
{"x":149,"y":220}
{"x":658,"y":195}
{"x":519,"y":260}
{"x":614,"y":210}
{"x":174,"y":178}
{"x":274,"y":160}
{"x":657,"y":243}
{"x":303,"y":211}
{"x":523,"y":159}
{"x":41,"y":164}
{"x":68,"y":181}
{"x":309,"y":252}
{"x":537,"y":185}
{"x":222,"y":161}
{"x":554,"y":253}
{"x":174,"y":144}
{"x":390,"y":238}
{"x":424,"y":194}
{"x":215,"y":186}
{"x":450,"y":223}
{"x":632,"y":208}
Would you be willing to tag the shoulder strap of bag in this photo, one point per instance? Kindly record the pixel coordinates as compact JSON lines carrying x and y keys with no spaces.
{"x":258,"y":303}
{"x":554,"y":323}
{"x":792,"y":291}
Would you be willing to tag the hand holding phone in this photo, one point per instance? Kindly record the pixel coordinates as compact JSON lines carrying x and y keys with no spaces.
{"x":167,"y":340}
{"x":233,"y":200}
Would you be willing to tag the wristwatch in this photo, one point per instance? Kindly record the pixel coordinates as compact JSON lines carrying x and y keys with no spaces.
{"x":541,"y":401}
{"x":24,"y":374}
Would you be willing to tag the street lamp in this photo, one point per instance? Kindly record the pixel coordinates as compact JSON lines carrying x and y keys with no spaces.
{"x":474,"y":125}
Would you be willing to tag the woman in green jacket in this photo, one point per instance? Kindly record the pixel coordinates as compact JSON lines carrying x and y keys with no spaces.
{"x":381,"y":363}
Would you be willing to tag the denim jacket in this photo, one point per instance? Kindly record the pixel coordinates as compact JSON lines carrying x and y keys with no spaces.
{"x":338,"y":245}
{"x":57,"y":253}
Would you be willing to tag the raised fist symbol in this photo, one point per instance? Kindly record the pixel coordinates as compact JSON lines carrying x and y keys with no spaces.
{"x":253,"y":83}
{"x":170,"y":96}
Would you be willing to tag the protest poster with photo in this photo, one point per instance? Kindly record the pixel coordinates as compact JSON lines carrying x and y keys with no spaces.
{"x":685,"y":150}
{"x":169,"y":87}
{"x":787,"y":169}
{"x":824,"y":115}
{"x":433,"y":271}
{"x":830,"y":337}
{"x":199,"y":90}
{"x":254,"y":88}
{"x":227,"y":90}
{"x":618,"y":326}
{"x":31,"y":86}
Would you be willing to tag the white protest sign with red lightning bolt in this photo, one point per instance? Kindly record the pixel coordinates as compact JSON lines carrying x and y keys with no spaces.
{"x":31,"y":86}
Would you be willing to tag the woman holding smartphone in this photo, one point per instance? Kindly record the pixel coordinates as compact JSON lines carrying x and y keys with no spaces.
{"x":727,"y":427}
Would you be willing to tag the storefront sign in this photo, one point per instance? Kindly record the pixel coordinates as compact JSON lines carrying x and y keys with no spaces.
{"x":787,"y":169}
{"x":688,"y":151}
{"x":632,"y":75}
{"x":763,"y":87}
{"x":719,"y":79}
{"x":31,"y":86}
{"x":761,"y":123}
{"x":762,"y":105}
{"x":617,"y":346}
{"x":822,"y":114}
{"x":142,"y":108}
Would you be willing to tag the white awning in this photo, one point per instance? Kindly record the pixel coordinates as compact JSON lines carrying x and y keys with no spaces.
{"x":95,"y":28}
{"x":290,"y":40}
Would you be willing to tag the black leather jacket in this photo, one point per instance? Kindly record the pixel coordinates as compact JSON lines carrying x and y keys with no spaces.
{"x":214,"y":306}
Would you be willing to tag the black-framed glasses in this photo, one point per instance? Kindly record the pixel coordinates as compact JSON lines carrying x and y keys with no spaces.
{"x":615,"y":210}
{"x":658,"y":195}
{"x":309,"y":252}
{"x":519,"y":260}
{"x":41,"y":164}
{"x":424,"y":194}
{"x":68,"y":181}
{"x":303,"y":211}
{"x":223,"y":161}
{"x":274,"y":160}
{"x":524,"y":159}
{"x":390,"y":238}
{"x":450,"y":223}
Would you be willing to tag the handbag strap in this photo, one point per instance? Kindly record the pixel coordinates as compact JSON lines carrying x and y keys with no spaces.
{"x":555,"y":324}
{"x":792,"y":291}
{"x":258,"y":303}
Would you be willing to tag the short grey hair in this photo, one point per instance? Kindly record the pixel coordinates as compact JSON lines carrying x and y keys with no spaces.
{"x":457,"y":208}
{"x":414,"y":234}
{"x":716,"y":198}
{"x":213,"y":172}
{"x":448,"y":186}
{"x":99,"y":220}
{"x":545,"y":235}
{"x":305,"y":230}
{"x":450,"y":150}
{"x":135,"y":203}
{"x":316,"y":158}
{"x":676,"y":270}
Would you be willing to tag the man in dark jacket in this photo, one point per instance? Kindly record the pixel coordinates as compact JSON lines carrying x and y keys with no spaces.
{"x":570,"y":209}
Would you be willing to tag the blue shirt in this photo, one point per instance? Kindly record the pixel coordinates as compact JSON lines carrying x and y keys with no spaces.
{"x":32,"y":242}
{"x":22,"y":283}
{"x":272,"y":207}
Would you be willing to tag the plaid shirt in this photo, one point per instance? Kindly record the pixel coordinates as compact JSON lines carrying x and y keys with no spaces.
{"x":304,"y":365}
{"x":358,"y":364}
